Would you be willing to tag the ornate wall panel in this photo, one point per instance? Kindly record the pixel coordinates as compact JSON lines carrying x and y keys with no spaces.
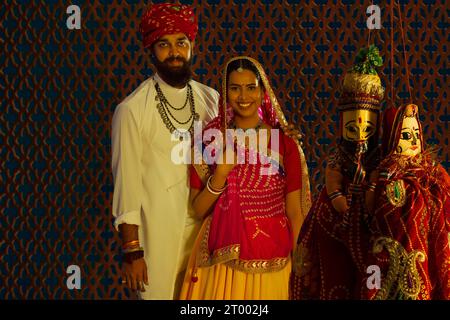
{"x":60,"y":88}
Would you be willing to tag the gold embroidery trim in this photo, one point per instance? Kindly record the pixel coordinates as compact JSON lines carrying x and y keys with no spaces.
{"x":258,"y":266}
{"x":301,"y":264}
{"x":230,"y":257}
{"x":402,"y":279}
{"x":396,"y":193}
{"x":202,"y":171}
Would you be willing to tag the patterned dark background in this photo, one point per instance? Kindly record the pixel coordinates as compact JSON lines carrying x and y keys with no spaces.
{"x":59,"y":89}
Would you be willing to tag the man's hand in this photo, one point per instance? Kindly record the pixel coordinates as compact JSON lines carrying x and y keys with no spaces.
{"x":135,"y":274}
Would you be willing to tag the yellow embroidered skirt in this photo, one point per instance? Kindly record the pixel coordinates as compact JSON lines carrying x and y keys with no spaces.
{"x":221,"y":282}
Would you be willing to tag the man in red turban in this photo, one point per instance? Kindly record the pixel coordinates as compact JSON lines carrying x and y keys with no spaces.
{"x":166,"y":18}
{"x":169,"y":31}
{"x":151,"y":189}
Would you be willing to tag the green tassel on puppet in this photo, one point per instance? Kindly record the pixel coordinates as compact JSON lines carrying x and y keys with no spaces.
{"x":366,"y":61}
{"x":362,"y":78}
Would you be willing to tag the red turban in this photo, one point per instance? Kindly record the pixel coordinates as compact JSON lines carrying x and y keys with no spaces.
{"x":165,"y":18}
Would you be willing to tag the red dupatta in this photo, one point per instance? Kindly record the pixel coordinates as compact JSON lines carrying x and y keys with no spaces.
{"x":411,"y":223}
{"x":248,"y":228}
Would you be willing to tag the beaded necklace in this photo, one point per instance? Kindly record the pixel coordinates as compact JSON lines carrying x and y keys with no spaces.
{"x":164,"y":107}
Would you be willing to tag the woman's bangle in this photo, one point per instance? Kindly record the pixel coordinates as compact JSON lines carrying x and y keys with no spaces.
{"x":371,"y":186}
{"x":212,"y":189}
{"x":335,"y":194}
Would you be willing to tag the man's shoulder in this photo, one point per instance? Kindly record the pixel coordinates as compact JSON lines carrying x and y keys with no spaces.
{"x":210,"y":99}
{"x":134,"y":106}
{"x":137,"y":98}
{"x":206,"y":90}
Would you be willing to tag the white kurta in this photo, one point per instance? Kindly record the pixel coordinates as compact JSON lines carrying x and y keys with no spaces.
{"x":149,"y":189}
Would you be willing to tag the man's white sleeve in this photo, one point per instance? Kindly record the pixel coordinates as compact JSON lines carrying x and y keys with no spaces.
{"x":126,"y":167}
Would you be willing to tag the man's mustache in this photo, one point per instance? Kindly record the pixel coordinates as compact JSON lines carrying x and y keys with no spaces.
{"x":172,"y":59}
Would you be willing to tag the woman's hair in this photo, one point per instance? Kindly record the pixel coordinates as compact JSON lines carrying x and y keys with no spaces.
{"x":239,"y":64}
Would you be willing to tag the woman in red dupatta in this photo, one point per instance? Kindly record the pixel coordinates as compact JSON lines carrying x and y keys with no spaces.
{"x":254,"y":209}
{"x":411,"y":221}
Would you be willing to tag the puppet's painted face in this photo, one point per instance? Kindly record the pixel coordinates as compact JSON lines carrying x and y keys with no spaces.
{"x":359,"y":125}
{"x":410,"y":142}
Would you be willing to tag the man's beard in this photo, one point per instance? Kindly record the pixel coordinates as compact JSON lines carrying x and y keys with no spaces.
{"x":174,"y":76}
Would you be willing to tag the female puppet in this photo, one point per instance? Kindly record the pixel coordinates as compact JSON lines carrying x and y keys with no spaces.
{"x":253,"y":209}
{"x":330,"y":253}
{"x":411,"y":222}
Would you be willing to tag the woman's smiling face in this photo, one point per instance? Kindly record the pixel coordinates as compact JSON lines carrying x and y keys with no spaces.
{"x":244,"y":93}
